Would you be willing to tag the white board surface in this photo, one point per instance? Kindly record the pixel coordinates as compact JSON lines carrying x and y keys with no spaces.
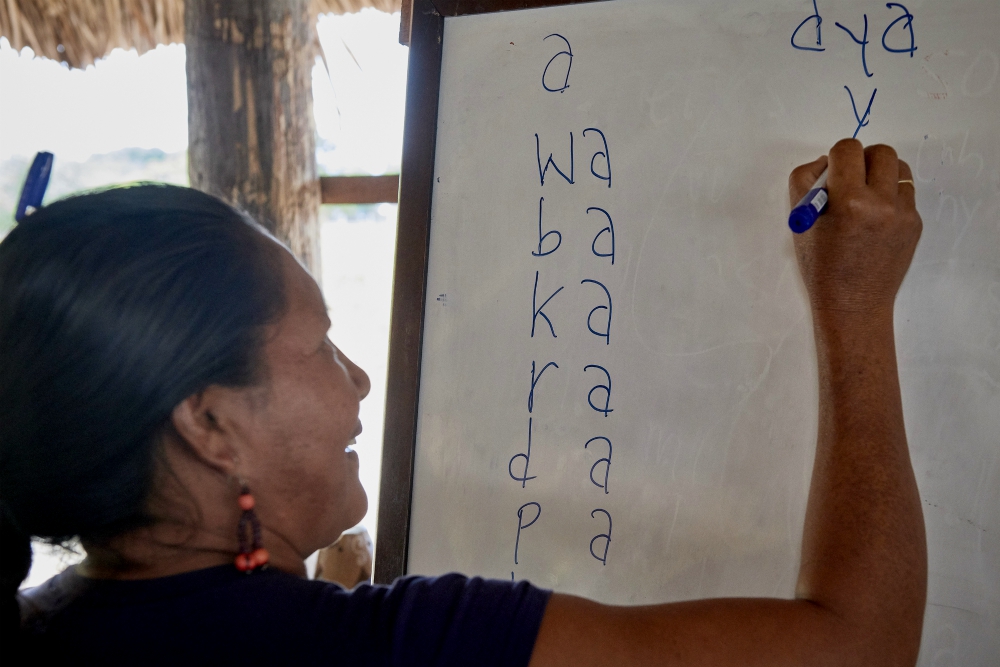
{"x":705,"y":106}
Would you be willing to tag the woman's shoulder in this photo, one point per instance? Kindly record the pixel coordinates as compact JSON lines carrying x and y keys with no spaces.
{"x":69,"y":589}
{"x":280,"y":617}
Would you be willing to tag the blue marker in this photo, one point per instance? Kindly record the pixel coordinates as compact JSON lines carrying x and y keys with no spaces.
{"x":34,"y":185}
{"x":805,"y":213}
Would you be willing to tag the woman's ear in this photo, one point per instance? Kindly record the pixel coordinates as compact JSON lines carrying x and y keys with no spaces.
{"x":195,"y":420}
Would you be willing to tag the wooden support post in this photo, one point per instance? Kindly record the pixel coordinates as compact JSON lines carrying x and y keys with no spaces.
{"x":250,"y":124}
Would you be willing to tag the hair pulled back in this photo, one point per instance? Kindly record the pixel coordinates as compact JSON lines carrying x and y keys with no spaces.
{"x":114,"y":307}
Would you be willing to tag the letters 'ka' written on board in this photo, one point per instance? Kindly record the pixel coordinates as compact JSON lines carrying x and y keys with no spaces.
{"x":617,"y":375}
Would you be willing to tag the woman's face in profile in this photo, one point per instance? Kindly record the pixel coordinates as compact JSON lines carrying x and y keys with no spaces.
{"x":297,"y":462}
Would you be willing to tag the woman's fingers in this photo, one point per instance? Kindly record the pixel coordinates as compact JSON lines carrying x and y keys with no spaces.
{"x":882,"y":166}
{"x":906,"y":197}
{"x":803,"y":177}
{"x":847,"y":166}
{"x":856,"y":255}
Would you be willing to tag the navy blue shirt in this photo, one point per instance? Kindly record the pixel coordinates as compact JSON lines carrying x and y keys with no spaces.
{"x":221,"y":616}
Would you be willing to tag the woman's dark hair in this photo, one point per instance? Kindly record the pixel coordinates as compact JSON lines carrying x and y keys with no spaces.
{"x":114,"y":307}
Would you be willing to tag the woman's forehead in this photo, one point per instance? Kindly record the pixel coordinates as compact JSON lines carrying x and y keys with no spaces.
{"x":305,"y":308}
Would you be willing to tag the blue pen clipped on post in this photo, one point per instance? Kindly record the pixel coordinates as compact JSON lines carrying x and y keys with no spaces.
{"x":34,"y":185}
{"x":805,"y":213}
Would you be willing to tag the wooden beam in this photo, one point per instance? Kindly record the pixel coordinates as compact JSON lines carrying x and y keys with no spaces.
{"x":405,"y":12}
{"x":250,"y":124}
{"x":359,"y":189}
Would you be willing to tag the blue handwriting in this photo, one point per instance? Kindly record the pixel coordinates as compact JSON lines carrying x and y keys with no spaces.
{"x":542,"y":237}
{"x":863,"y":42}
{"x":607,"y":389}
{"x":863,"y":120}
{"x":602,"y":174}
{"x":908,"y":17}
{"x":819,"y":31}
{"x":536,"y":311}
{"x":523,"y":479}
{"x":605,"y":154}
{"x":568,"y":52}
{"x":607,"y":464}
{"x":607,"y":331}
{"x":611,"y":229}
{"x":550,"y":161}
{"x":606,"y":536}
{"x":521,"y":525}
{"x":534,"y":381}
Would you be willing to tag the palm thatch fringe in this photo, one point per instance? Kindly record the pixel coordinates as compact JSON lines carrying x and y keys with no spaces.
{"x":78,"y":32}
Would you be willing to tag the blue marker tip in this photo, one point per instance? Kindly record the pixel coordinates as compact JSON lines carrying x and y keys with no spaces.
{"x":807,"y":211}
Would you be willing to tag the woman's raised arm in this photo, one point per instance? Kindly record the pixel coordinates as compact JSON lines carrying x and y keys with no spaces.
{"x":863,"y":576}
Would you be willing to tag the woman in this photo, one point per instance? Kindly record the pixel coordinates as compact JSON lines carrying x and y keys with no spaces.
{"x":169,"y":395}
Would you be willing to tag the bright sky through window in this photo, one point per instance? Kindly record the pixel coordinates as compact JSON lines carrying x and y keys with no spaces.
{"x":129,"y":101}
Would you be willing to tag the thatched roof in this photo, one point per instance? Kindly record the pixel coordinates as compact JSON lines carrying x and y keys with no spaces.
{"x":78,"y":32}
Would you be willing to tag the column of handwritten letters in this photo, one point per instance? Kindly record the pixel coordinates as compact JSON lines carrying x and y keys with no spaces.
{"x":549,"y":286}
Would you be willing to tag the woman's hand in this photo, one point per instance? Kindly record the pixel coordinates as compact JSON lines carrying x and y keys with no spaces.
{"x":855,"y":256}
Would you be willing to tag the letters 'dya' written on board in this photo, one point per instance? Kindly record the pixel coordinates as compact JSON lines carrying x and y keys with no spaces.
{"x":618,"y":393}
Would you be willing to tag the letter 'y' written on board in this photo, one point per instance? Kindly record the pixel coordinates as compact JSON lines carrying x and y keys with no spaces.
{"x":808,"y":36}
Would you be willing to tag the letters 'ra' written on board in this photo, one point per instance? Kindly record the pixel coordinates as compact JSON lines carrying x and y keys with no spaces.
{"x":618,"y":388}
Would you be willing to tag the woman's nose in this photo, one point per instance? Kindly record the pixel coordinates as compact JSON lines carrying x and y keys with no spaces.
{"x":360,"y":379}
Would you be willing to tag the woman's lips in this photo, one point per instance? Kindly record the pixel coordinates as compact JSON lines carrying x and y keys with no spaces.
{"x":354,"y":440}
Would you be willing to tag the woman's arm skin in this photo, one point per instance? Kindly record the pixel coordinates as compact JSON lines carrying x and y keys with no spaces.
{"x":863,"y":578}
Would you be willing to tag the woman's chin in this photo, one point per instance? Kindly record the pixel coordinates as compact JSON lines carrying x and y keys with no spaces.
{"x":356,"y":507}
{"x":362,"y":504}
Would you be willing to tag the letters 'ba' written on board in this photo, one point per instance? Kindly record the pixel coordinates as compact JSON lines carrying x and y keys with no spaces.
{"x":618,"y":394}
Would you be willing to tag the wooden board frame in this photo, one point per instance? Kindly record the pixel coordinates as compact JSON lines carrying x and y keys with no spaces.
{"x":423,"y":82}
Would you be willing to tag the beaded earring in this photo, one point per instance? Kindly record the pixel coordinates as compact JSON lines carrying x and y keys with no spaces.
{"x":252,"y":555}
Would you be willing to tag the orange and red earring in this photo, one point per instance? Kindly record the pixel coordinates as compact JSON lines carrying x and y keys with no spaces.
{"x":252,"y":555}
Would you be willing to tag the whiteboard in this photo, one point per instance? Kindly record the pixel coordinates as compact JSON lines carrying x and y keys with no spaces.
{"x":705,"y":106}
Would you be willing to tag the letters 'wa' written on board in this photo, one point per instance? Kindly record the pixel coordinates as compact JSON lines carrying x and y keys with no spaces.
{"x":618,"y":392}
